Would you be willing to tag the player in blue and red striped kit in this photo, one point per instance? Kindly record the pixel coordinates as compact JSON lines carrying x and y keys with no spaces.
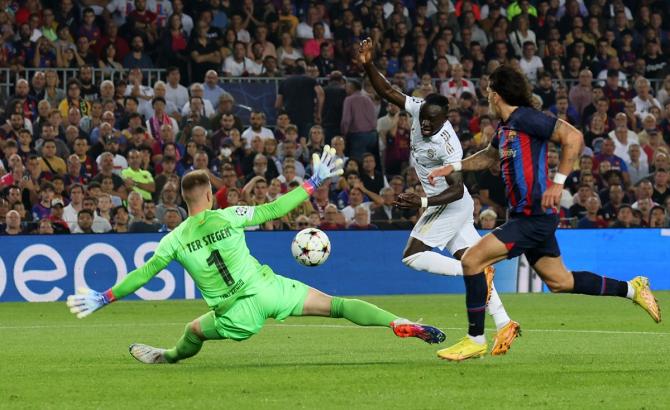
{"x":520,"y":144}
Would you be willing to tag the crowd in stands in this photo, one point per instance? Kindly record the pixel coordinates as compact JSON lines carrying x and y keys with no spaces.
{"x":102,"y":153}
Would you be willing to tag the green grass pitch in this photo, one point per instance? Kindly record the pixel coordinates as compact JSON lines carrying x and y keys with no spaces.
{"x":576,"y":352}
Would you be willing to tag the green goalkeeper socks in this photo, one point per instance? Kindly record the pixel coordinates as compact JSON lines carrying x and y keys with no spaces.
{"x":360,"y":312}
{"x":189,"y":345}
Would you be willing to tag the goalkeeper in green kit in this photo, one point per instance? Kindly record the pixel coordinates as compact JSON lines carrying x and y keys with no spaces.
{"x":240,"y":292}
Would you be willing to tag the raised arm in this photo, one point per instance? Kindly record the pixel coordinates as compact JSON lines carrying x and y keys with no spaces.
{"x":571,"y":141}
{"x":379,"y":83}
{"x":476,"y":162}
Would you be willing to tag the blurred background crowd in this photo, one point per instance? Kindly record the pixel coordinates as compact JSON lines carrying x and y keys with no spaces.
{"x":105,"y":105}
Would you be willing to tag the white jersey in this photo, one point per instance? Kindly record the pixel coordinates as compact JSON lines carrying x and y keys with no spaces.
{"x":442,"y":148}
{"x":448,"y":226}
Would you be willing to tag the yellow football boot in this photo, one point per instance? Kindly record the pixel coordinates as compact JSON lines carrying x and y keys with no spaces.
{"x":465,"y":349}
{"x":645,"y":298}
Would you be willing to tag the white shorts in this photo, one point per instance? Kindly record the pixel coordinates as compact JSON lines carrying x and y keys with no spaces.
{"x":447,"y":226}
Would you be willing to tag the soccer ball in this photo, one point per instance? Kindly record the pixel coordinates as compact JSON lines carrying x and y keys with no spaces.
{"x":310,"y":247}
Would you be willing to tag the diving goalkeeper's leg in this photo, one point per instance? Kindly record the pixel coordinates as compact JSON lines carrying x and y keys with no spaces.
{"x":363,"y":313}
{"x":187,"y":346}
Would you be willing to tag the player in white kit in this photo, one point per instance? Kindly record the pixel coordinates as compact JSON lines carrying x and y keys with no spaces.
{"x":448,"y":220}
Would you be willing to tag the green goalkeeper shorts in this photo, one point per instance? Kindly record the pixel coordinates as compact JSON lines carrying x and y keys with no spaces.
{"x":284,"y":297}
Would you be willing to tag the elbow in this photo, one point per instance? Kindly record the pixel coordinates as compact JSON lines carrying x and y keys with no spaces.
{"x":576,"y":139}
{"x":459,"y":192}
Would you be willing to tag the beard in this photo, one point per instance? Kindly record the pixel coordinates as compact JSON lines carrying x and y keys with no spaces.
{"x":493,"y":109}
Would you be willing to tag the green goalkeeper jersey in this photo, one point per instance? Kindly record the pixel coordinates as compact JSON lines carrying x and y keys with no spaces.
{"x":211,"y":246}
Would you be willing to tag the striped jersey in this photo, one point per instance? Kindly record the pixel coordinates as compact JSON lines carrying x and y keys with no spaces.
{"x":522,"y":146}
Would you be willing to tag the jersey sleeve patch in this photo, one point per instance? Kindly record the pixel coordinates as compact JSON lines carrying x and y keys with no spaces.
{"x":244,"y":211}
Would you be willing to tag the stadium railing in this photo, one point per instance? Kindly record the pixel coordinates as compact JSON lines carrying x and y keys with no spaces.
{"x":8,"y":78}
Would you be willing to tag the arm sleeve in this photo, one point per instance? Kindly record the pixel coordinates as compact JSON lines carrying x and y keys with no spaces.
{"x":540,"y":125}
{"x":139,"y":277}
{"x":241,"y":216}
{"x":413,"y":106}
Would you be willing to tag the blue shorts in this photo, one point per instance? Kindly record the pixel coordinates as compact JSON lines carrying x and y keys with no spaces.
{"x":533,"y":236}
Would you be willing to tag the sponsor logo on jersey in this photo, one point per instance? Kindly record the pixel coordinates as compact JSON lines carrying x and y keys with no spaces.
{"x":507,"y":153}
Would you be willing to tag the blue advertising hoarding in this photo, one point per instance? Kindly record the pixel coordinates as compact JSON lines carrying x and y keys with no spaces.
{"x":48,"y":268}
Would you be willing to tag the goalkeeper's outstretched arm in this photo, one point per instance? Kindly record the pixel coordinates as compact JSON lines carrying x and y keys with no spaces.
{"x":87,"y":301}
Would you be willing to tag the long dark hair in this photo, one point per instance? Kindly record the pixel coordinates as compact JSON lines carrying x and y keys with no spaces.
{"x":512,"y":86}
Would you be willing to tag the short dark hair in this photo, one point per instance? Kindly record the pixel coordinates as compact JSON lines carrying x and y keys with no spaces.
{"x":85,"y":211}
{"x":438,"y":100}
{"x":356,"y":84}
{"x":512,"y":86}
{"x":116,"y":210}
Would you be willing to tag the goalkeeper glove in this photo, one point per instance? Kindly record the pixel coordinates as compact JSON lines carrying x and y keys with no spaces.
{"x":323,"y":168}
{"x":87,"y":301}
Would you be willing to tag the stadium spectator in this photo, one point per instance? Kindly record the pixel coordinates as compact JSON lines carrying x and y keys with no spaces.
{"x":145,"y":221}
{"x":661,"y":186}
{"x":334,"y":95}
{"x":657,"y":218}
{"x":361,"y":220}
{"x":644,"y":100}
{"x":302,"y":98}
{"x":175,"y":92}
{"x":331,"y":219}
{"x":257,"y":128}
{"x":487,"y":219}
{"x":137,"y":57}
{"x":624,"y":218}
{"x":12,"y":224}
{"x":424,"y":49}
{"x":638,"y":168}
{"x":120,"y":218}
{"x":171,"y":219}
{"x":388,"y":216}
{"x":359,"y":123}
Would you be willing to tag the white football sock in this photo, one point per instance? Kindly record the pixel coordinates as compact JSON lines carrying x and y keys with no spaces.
{"x":496,"y":309}
{"x":481,"y":339}
{"x":434,"y":262}
{"x":631,"y":291}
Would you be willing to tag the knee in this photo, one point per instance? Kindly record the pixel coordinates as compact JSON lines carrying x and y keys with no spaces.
{"x":194,"y":328}
{"x":471,"y":264}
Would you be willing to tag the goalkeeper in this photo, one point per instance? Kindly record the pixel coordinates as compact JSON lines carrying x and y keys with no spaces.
{"x":240,"y":292}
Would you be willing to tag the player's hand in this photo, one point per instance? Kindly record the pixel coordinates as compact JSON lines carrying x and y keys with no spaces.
{"x":408,"y":200}
{"x":440,"y":172}
{"x":552,"y":196}
{"x":326,"y":166}
{"x":87,"y":301}
{"x":365,"y":51}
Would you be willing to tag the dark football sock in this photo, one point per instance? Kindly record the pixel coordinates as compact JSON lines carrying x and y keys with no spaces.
{"x":475,"y":301}
{"x":588,"y":283}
